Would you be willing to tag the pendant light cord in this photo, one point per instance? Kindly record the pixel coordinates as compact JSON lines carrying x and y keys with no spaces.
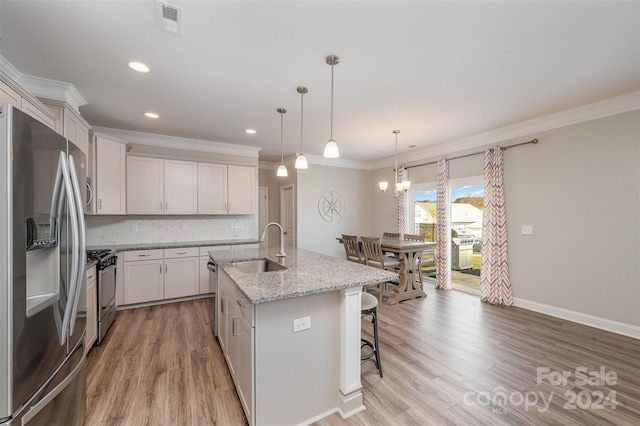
{"x":281,"y":127}
{"x":331,"y":133}
{"x":301,"y":119}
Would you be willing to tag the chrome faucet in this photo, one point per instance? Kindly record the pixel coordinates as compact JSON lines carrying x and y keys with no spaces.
{"x":264,"y":233}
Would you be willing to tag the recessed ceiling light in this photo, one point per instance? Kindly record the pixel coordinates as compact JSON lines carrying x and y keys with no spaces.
{"x":151,"y":115}
{"x":139,"y":67}
{"x":250,"y":131}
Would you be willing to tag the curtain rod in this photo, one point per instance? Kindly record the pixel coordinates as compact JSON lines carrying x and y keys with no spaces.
{"x":534,"y":141}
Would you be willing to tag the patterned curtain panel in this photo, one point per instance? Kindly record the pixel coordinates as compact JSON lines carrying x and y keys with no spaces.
{"x":402,"y":213}
{"x":495,"y":284}
{"x":443,"y":230}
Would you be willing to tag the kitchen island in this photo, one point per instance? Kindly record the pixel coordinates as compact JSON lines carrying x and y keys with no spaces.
{"x":291,"y":337}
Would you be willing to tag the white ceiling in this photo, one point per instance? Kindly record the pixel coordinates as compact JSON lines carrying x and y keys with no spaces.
{"x":438,"y":71}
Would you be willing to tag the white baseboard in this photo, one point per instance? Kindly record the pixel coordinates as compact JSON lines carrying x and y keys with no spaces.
{"x":585,"y":319}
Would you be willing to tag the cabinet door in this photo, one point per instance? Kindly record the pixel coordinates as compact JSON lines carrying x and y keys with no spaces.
{"x":143,"y":281}
{"x":212,"y":188}
{"x":241,"y":189}
{"x":75,"y":129}
{"x":10,"y":96}
{"x":180,"y":187}
{"x":145,"y":185}
{"x":244,"y":371}
{"x":110,"y":196}
{"x":36,"y":113}
{"x":92,"y":313}
{"x":223,"y":313}
{"x":182,"y":277}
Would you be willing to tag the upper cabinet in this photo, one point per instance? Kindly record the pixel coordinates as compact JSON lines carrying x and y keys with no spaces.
{"x":69,"y":123}
{"x":10,"y":96}
{"x":110,"y":175}
{"x":226,"y":189}
{"x":157,"y":186}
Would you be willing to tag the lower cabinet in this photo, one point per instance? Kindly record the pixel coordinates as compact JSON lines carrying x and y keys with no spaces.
{"x":91,"y":334}
{"x":236,"y":336}
{"x":162,"y":274}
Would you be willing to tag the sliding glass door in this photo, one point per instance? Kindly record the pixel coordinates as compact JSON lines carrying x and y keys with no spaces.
{"x":467,"y":196}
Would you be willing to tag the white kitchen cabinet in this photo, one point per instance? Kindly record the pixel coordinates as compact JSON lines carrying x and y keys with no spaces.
{"x":145,"y":185}
{"x":143,"y":279}
{"x":69,"y":123}
{"x":226,"y":189}
{"x":31,"y":109}
{"x":242,"y":189}
{"x":212,"y":188}
{"x":110,"y":185}
{"x":236,"y":336}
{"x":92,"y":309}
{"x":157,"y":186}
{"x":180,"y":187}
{"x":182,"y":274}
{"x":10,"y":96}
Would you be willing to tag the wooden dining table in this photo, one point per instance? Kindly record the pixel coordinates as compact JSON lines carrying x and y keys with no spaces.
{"x":407,"y":253}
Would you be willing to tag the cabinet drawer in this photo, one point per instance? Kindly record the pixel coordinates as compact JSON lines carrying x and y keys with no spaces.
{"x":143,"y":255}
{"x":181,"y":252}
{"x":246,"y":308}
{"x":204,"y":251}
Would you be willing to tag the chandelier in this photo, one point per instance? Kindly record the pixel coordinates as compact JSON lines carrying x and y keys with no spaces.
{"x":400,"y":186}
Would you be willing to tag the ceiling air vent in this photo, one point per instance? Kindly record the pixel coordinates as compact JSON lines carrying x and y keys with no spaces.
{"x":169,"y":18}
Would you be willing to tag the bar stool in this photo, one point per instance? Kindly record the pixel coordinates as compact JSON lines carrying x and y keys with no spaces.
{"x":369,"y":306}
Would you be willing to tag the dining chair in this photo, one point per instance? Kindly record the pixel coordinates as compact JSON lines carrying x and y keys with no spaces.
{"x":373,"y":256}
{"x":420,"y":238}
{"x":391,"y":235}
{"x":352,"y":248}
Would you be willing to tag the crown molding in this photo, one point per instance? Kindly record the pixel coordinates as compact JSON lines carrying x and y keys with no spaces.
{"x":592,"y":111}
{"x":174,"y":142}
{"x":7,"y":68}
{"x":52,"y":89}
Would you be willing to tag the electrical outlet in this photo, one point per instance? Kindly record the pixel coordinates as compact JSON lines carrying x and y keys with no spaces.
{"x":238,"y":225}
{"x":301,"y":324}
{"x":230,"y":225}
{"x":183,"y":226}
{"x":134,"y":227}
{"x":527,"y":229}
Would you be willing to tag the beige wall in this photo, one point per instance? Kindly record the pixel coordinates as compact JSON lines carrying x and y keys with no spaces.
{"x":314,"y":233}
{"x":579,"y":189}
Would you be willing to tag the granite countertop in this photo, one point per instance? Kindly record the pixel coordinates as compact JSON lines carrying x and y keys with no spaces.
{"x":152,"y":246}
{"x":307,"y":273}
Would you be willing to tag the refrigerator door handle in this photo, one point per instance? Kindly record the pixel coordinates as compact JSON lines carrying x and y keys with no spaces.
{"x":73,"y":222}
{"x":81,"y":248}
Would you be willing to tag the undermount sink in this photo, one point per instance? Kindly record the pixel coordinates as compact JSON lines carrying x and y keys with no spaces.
{"x":257,"y":266}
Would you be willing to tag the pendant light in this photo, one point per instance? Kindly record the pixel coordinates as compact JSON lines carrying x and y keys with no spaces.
{"x":331,"y":148}
{"x":282,"y":170}
{"x":301,"y":160}
{"x":399,"y":187}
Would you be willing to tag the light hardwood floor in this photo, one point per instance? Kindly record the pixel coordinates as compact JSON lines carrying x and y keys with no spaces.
{"x":447,"y":359}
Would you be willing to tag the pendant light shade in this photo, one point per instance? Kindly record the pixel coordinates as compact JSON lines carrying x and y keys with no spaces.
{"x":301,"y":160}
{"x":282,"y":170}
{"x":331,"y":148}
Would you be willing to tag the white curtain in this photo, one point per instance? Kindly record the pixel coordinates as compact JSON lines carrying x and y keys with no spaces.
{"x":443,"y":230}
{"x":495,"y":283}
{"x":402,"y":213}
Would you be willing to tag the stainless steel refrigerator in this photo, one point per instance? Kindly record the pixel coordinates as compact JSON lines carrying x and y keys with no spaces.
{"x":42,"y":273}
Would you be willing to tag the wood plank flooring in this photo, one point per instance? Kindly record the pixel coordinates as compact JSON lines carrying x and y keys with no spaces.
{"x":448,"y":359}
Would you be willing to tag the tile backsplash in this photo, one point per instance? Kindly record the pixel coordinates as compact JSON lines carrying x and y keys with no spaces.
{"x":113,"y":230}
